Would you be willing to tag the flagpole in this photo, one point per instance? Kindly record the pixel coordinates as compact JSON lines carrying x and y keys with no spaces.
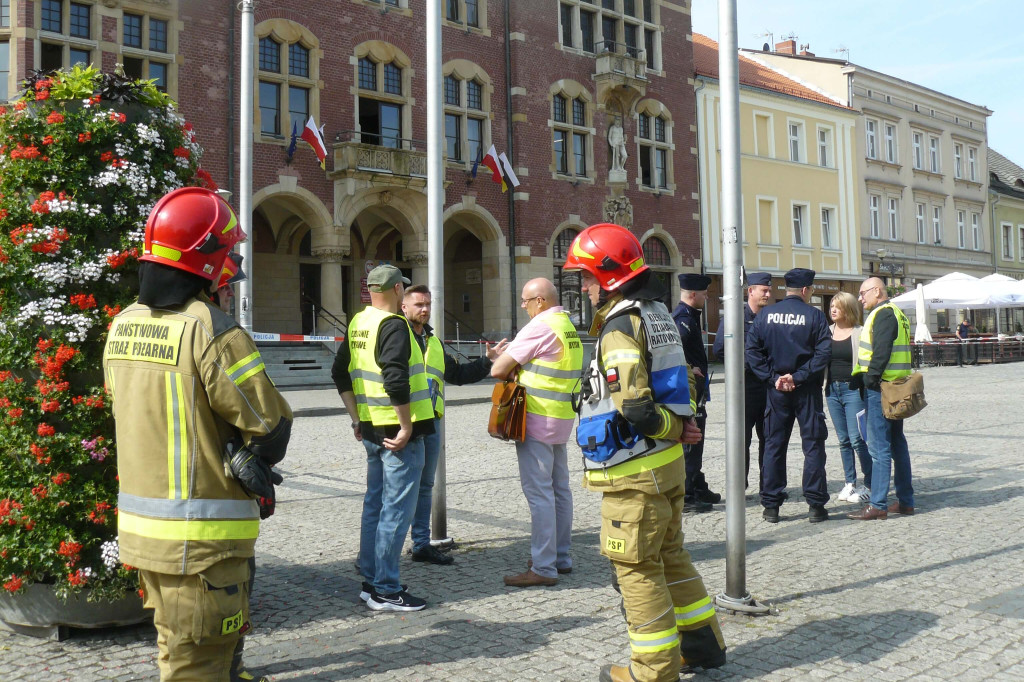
{"x":435,"y":238}
{"x":245,"y":287}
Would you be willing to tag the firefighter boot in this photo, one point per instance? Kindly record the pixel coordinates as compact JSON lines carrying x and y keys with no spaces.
{"x":700,"y":650}
{"x":616,"y":673}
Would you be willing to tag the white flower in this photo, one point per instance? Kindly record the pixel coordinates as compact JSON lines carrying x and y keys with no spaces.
{"x":110,"y":553}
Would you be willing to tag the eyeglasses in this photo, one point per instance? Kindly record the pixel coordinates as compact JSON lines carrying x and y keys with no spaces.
{"x":525,"y":301}
{"x":864,"y":291}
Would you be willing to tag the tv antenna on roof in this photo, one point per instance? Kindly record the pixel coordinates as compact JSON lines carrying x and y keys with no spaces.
{"x":771,"y":40}
{"x":843,"y":50}
{"x":791,"y":36}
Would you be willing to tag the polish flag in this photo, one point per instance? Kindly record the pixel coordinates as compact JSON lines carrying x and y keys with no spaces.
{"x":491,"y":161}
{"x":315,"y":137}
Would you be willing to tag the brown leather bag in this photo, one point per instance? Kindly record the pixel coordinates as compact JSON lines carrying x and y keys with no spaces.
{"x":508,"y":411}
{"x":904,"y":397}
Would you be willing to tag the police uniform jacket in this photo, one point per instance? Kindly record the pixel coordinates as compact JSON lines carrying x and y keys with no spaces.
{"x":751,"y":382}
{"x":184,"y":382}
{"x":687,"y":320}
{"x":791,"y":337}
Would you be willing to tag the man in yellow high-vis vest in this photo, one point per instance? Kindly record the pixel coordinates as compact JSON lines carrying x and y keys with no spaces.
{"x":884,"y":355}
{"x":382,"y":379}
{"x":442,"y":368}
{"x":549,"y":355}
{"x":189,"y":390}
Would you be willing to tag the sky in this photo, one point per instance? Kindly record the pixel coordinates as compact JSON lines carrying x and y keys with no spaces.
{"x":970,"y":49}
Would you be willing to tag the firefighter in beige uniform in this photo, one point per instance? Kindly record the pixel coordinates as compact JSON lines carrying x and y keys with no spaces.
{"x":636,"y":412}
{"x":199,"y":424}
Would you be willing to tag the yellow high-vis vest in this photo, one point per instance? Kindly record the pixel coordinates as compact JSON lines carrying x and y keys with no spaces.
{"x":900,"y":359}
{"x":435,"y":373}
{"x":550,"y":385}
{"x":372,"y":401}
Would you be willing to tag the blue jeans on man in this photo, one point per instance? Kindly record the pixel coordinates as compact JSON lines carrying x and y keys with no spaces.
{"x":843,"y":405}
{"x":889,"y":453}
{"x":392,"y":482}
{"x":424,"y":499}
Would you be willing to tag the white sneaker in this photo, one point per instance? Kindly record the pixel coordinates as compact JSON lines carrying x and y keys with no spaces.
{"x":860,"y":494}
{"x":846,"y":492}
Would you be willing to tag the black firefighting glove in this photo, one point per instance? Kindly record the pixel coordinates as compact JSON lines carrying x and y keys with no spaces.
{"x":255,"y":475}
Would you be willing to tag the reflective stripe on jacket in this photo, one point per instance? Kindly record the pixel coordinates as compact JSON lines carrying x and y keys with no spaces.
{"x":183,"y":383}
{"x":899,"y":364}
{"x":372,"y":401}
{"x":550,"y":385}
{"x":669,"y":385}
{"x":435,"y":373}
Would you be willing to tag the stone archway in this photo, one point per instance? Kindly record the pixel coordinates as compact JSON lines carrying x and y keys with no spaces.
{"x":477,"y":271}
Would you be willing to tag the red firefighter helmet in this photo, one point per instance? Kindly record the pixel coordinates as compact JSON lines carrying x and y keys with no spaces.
{"x":609,"y":252}
{"x":191,"y":229}
{"x":231,"y":271}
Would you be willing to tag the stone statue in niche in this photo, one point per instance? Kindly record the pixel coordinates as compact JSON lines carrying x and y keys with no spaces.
{"x":617,"y":142}
{"x":619,"y":210}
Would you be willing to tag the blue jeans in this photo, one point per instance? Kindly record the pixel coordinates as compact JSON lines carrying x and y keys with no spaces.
{"x":889,"y":453}
{"x":843,"y":405}
{"x":392,"y":480}
{"x":421,"y":519}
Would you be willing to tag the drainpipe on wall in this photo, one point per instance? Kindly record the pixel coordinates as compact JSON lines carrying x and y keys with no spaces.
{"x":996,"y":229}
{"x":514,"y":293}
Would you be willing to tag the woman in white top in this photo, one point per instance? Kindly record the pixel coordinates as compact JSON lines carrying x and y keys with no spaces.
{"x":844,"y":402}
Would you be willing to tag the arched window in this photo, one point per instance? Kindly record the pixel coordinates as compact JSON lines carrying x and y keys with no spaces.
{"x":568,"y":283}
{"x":654,"y":147}
{"x":572,"y":132}
{"x":659,"y":260}
{"x":287,"y":92}
{"x":467,"y":98}
{"x":382,"y":75}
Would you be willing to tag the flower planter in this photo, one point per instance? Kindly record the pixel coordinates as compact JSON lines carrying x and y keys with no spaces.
{"x":36,"y":611}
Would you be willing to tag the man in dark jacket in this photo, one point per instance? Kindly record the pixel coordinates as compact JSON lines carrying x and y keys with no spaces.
{"x":692,"y":296}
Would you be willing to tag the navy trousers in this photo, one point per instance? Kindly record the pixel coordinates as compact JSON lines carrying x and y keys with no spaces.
{"x":753,"y":412}
{"x":805,"y":406}
{"x":693,"y":457}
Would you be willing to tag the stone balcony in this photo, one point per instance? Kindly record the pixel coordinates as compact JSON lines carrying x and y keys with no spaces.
{"x":402,"y":165}
{"x":620,"y":66}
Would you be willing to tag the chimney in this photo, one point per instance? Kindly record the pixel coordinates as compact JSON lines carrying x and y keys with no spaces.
{"x":786,"y":47}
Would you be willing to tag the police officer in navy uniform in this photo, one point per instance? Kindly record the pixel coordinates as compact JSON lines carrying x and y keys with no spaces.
{"x":789,"y":347}
{"x":759,"y":292}
{"x":693,"y":294}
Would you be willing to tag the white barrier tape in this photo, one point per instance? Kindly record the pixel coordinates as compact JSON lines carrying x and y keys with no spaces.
{"x":267,"y":337}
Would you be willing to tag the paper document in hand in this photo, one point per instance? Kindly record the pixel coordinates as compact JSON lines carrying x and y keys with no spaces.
{"x":862,"y":425}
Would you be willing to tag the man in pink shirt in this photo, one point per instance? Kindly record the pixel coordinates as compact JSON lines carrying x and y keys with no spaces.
{"x":549,"y":357}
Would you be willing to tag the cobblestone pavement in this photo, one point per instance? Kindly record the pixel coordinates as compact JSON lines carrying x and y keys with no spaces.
{"x":935,"y":596}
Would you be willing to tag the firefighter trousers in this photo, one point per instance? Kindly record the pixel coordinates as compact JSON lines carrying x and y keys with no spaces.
{"x":663,"y":595}
{"x":199,"y":619}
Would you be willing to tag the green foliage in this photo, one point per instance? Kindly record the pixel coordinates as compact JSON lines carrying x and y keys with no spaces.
{"x":79,"y":173}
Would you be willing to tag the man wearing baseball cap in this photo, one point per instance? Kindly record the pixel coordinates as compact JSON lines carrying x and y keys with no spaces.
{"x":382,"y":379}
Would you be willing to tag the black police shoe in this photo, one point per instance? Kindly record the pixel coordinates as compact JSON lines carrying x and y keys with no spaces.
{"x":706,"y":495}
{"x":816,"y":513}
{"x":432,"y":555}
{"x":770,"y":514}
{"x":695,"y":506}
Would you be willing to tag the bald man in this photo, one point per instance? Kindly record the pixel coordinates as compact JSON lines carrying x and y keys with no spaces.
{"x":549,"y":356}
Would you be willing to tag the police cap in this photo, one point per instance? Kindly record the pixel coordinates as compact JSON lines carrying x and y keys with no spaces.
{"x":759,"y":278}
{"x":694,"y":281}
{"x":798,"y":278}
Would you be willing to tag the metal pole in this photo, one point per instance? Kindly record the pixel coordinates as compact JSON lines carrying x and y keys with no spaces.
{"x":245,"y":163}
{"x":514,"y":294}
{"x":735,"y":596}
{"x":435,"y":235}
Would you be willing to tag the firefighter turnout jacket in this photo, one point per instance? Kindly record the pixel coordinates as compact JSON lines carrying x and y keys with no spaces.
{"x":183,"y":383}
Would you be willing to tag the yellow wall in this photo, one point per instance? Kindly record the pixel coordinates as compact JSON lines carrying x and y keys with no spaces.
{"x":1009,"y":210}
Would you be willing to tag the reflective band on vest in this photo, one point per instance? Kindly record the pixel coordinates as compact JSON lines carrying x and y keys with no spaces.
{"x":550,"y":385}
{"x":190,"y":509}
{"x":654,"y":641}
{"x":695,"y":612}
{"x":435,"y":373}
{"x":372,"y":401}
{"x":670,"y":388}
{"x":188,"y":529}
{"x":900,"y":359}
{"x":177,"y":461}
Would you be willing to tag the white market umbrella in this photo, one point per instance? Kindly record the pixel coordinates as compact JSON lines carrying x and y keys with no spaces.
{"x":921,"y":332}
{"x":955,"y":290}
{"x":1003,"y":292}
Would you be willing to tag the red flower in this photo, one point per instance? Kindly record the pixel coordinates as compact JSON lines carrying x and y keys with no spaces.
{"x":182,"y":152}
{"x":44,"y":83}
{"x":39,"y":453}
{"x":95,"y":99}
{"x":5,"y":375}
{"x":106,"y":156}
{"x":206,"y":179}
{"x":96,"y":402}
{"x":54,"y":117}
{"x":42,"y":95}
{"x":111,"y":311}
{"x":77,"y":399}
{"x":29,"y":524}
{"x":84,"y":301}
{"x":50,"y":405}
{"x":78,"y":578}
{"x":187,"y":127}
{"x":61,"y":478}
{"x":40,"y":491}
{"x":48,"y":139}
{"x":19,"y":106}
{"x":45,"y":429}
{"x":29,"y":152}
{"x":15,"y":583}
{"x":3,"y":111}
{"x":84,"y":137}
{"x":15,"y":413}
{"x":43,"y":345}
{"x":118,"y":117}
